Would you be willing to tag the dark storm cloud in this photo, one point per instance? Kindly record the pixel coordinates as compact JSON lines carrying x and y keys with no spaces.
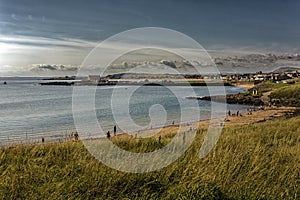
{"x":230,"y":21}
{"x":270,"y":25}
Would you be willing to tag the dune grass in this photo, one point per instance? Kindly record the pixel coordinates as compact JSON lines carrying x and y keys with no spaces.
{"x":288,"y":92}
{"x":257,"y":161}
{"x":289,"y":95}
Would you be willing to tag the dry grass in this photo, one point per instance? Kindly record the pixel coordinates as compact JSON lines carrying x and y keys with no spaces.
{"x":255,"y":161}
{"x":287,"y":92}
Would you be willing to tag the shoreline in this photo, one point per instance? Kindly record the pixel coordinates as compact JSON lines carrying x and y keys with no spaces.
{"x":134,"y":83}
{"x":247,"y":118}
{"x":257,"y":116}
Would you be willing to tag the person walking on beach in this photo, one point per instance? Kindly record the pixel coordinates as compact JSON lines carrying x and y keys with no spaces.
{"x":237,"y":113}
{"x":76,"y":136}
{"x":115,"y":130}
{"x":229,"y":113}
{"x":108,"y":135}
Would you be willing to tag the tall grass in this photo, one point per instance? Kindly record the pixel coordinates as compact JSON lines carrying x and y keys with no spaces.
{"x":287,"y":96}
{"x":258,"y":161}
{"x":288,"y":92}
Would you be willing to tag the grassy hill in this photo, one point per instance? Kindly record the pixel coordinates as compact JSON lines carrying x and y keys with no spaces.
{"x":258,"y":161}
{"x":288,"y":92}
{"x":289,"y":95}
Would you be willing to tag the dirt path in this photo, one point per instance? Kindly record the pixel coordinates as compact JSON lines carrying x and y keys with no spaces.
{"x":265,"y":97}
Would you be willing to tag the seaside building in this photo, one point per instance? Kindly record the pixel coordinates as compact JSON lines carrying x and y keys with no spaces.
{"x":95,"y":78}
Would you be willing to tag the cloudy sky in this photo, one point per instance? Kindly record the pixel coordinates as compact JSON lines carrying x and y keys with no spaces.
{"x":61,"y":33}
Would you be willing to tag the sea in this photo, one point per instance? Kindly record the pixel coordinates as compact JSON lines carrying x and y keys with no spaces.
{"x":29,"y":111}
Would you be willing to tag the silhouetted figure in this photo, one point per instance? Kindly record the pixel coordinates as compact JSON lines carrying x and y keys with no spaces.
{"x":173,"y":123}
{"x":115,"y":130}
{"x":43,"y":139}
{"x":237,"y":113}
{"x":229,"y":113}
{"x":76,"y":136}
{"x":108,"y":135}
{"x":159,"y":138}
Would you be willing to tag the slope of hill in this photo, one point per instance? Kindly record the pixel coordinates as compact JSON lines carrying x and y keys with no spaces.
{"x":257,"y":161}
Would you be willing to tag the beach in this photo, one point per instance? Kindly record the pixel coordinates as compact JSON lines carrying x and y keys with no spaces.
{"x":257,"y":116}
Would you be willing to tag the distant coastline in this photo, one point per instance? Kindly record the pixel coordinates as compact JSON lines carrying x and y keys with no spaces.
{"x":144,"y":83}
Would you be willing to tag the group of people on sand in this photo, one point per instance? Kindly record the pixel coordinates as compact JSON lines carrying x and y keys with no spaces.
{"x":108,"y":135}
{"x":115,"y":132}
{"x":238,"y":114}
{"x":75,"y":135}
{"x":72,"y":136}
{"x":250,"y":110}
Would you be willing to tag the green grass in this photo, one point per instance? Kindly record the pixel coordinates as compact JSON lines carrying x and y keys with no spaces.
{"x":289,"y":96}
{"x":258,"y":161}
{"x":273,"y":85}
{"x":287,"y":92}
{"x":267,"y":86}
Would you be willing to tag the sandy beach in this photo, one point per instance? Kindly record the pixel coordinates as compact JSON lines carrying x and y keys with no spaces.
{"x":244,"y":85}
{"x":256,"y":117}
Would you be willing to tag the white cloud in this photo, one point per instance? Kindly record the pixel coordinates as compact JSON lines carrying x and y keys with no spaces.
{"x":24,"y":51}
{"x":39,"y":41}
{"x":54,"y":67}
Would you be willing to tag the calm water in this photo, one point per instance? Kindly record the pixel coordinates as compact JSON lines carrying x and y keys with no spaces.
{"x":30,"y":111}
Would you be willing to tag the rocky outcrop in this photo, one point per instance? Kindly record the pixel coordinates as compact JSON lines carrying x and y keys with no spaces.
{"x":285,"y":102}
{"x":58,"y":83}
{"x":235,"y":99}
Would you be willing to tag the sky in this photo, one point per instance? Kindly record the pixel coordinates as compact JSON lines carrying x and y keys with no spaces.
{"x":62,"y":33}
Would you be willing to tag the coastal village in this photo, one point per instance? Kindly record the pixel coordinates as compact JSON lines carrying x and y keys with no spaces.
{"x":278,"y":76}
{"x":260,"y":76}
